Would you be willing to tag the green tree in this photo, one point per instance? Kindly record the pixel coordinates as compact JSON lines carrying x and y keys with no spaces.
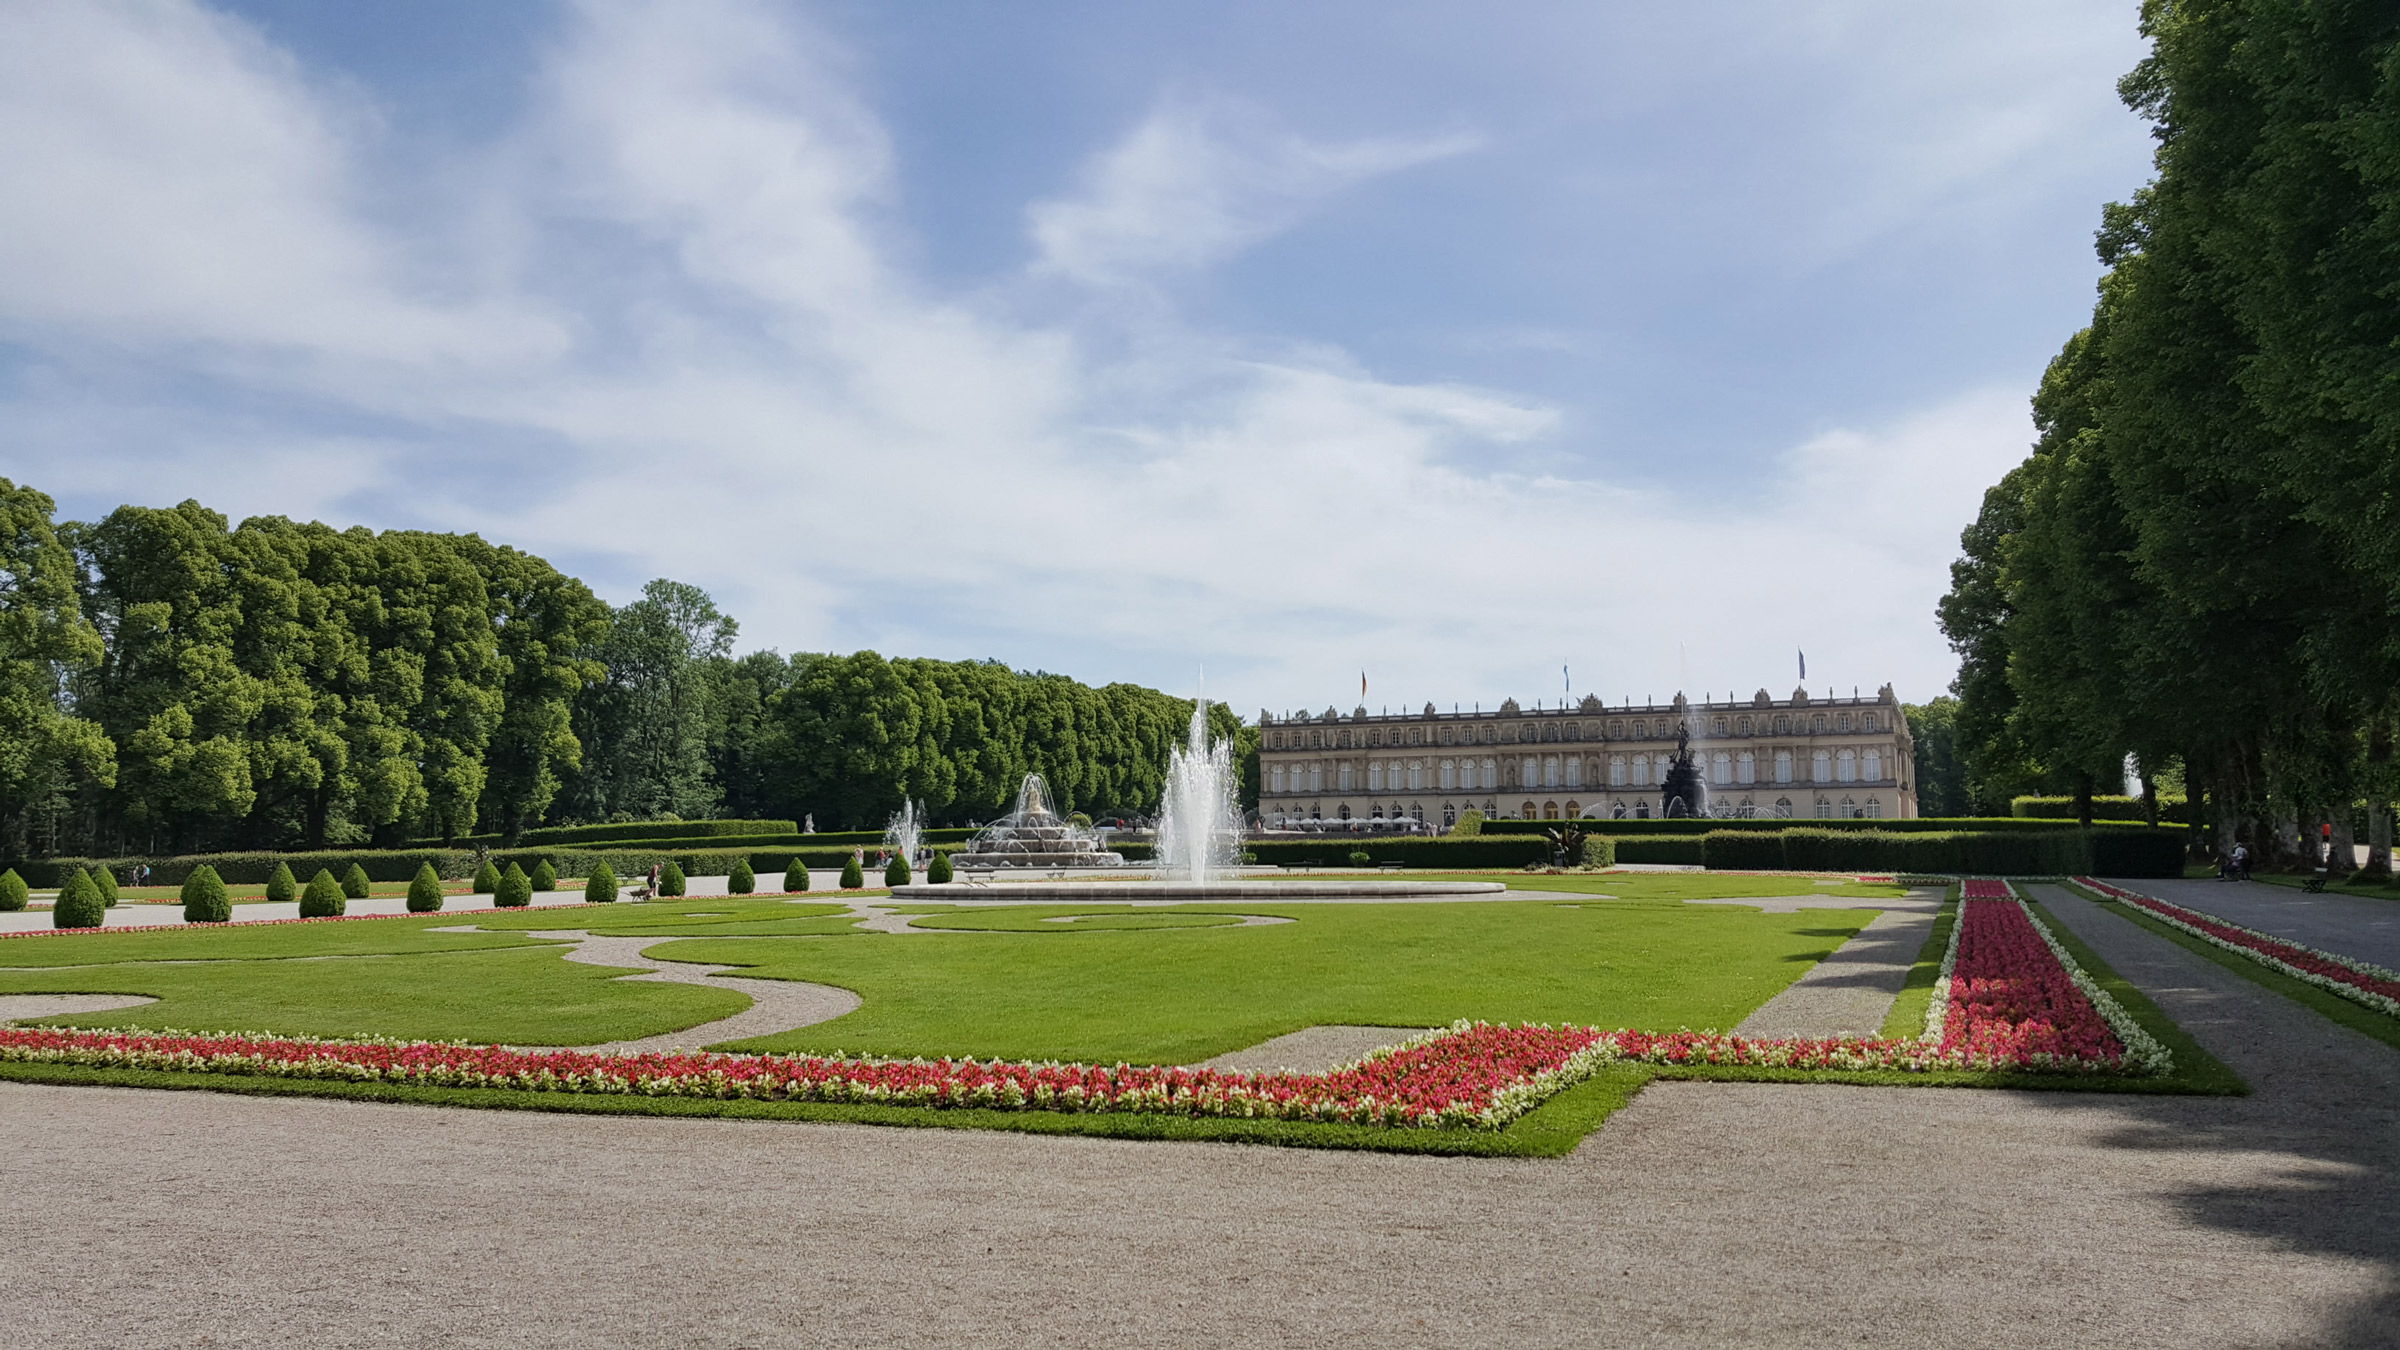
{"x":105,"y":881}
{"x":895,"y":872}
{"x":487,"y":878}
{"x":1941,"y":776}
{"x":937,"y":872}
{"x":854,"y":877}
{"x":544,"y":877}
{"x":47,"y":749}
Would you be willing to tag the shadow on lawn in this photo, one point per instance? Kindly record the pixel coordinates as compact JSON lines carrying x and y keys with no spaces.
{"x":2315,"y":1148}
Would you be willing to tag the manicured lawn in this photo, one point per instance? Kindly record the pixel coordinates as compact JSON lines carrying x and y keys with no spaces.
{"x":257,"y":942}
{"x":257,"y":894}
{"x":1006,"y":983}
{"x":523,"y":996}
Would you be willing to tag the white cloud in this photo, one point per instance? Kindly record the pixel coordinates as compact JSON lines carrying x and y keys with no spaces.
{"x":848,"y":458}
{"x":1199,"y":180}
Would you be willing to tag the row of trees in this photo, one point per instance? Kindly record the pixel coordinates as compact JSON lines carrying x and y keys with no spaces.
{"x":172,"y":683}
{"x":2198,"y":565}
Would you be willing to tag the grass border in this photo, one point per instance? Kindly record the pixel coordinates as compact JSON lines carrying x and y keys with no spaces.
{"x":2356,"y":1016}
{"x":1909,"y":1006}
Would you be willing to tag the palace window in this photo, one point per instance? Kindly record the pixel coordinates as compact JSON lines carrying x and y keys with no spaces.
{"x":1721,"y":770}
{"x":1616,"y":729}
{"x":1491,"y":735}
{"x":1846,"y":767}
{"x":1843,"y":722}
{"x":1819,"y":724}
{"x":1641,"y":771}
{"x":1345,"y":777}
{"x":1617,"y":812}
{"x":1874,"y":808}
{"x":1849,"y":809}
{"x":1783,"y":725}
{"x":1277,"y":778}
{"x":1574,"y":771}
{"x":1550,"y":771}
{"x":1747,"y":767}
{"x":1720,"y":726}
{"x":1529,"y":772}
{"x":1574,"y":810}
{"x":1342,"y":811}
{"x":1871,"y":723}
{"x":1824,"y":809}
{"x":1874,"y":771}
{"x":1416,"y":774}
{"x":1375,"y":776}
{"x":1641,"y":809}
{"x":1616,"y":771}
{"x":1449,"y":774}
{"x":1491,"y":774}
{"x":1783,"y":766}
{"x":1640,"y":729}
{"x":1821,"y":767}
{"x":1316,"y":778}
{"x":1574,"y":731}
{"x":1744,"y":726}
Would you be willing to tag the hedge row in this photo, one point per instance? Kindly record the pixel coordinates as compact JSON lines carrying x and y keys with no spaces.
{"x":2122,"y":852}
{"x":1624,"y":829}
{"x":2103,"y":808}
{"x":252,"y":869}
{"x":1411,"y":851}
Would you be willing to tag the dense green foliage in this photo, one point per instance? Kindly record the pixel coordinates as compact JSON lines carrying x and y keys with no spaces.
{"x":853,"y":876}
{"x":671,"y":880}
{"x":600,"y":888}
{"x":52,"y":748}
{"x":104,"y":880}
{"x":79,"y":904}
{"x":544,"y":877}
{"x":424,"y":891}
{"x":323,"y":899}
{"x":355,"y":884}
{"x":795,"y":877}
{"x":937,"y":872}
{"x":2102,"y":808}
{"x":515,"y":890}
{"x":2199,"y":565}
{"x":895,"y":872}
{"x":2119,"y":852}
{"x":14,"y":893}
{"x":487,"y":878}
{"x":204,"y":897}
{"x":741,"y":880}
{"x":1443,"y":851}
{"x":281,"y":887}
{"x":1941,"y":774}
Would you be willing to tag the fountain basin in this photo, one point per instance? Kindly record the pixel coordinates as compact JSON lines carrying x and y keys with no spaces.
{"x":1156,"y":892}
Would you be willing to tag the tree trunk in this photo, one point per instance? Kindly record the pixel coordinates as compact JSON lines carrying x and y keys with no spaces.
{"x":2287,"y":836}
{"x":2341,"y":857}
{"x":2149,"y":797}
{"x":2379,"y":839}
{"x":2083,"y":799}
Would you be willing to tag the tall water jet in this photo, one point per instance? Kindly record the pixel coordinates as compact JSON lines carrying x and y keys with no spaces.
{"x":906,"y":830}
{"x":1199,"y":820}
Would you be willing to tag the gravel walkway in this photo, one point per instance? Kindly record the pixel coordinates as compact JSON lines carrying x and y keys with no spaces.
{"x":775,"y":1005}
{"x":1312,"y":1049}
{"x":18,"y":1007}
{"x":1850,"y":992}
{"x":2353,"y":925}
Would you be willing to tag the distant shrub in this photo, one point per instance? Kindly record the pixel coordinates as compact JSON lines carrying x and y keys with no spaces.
{"x":487,"y":878}
{"x":854,"y":876}
{"x":742,"y":881}
{"x":543,"y":876}
{"x":896,"y":872}
{"x":425,"y":891}
{"x":323,"y":899}
{"x":1362,"y":859}
{"x":1249,"y":857}
{"x":938,"y":871}
{"x":13,"y":891}
{"x":671,"y":880}
{"x":1469,"y":824}
{"x":600,"y":887}
{"x":79,"y":904}
{"x":1599,"y":851}
{"x":281,"y":888}
{"x":795,"y":877}
{"x":355,"y":884}
{"x":106,"y":880}
{"x":515,"y":890}
{"x":204,"y":897}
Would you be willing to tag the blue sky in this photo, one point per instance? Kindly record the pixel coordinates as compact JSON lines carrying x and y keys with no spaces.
{"x":1450,"y":343}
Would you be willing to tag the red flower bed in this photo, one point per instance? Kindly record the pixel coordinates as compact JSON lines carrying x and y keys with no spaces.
{"x":2012,"y":1000}
{"x":2359,"y":981}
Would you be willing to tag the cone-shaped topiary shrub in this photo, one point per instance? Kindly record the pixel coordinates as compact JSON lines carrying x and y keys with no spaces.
{"x":323,"y":899}
{"x":600,"y":887}
{"x":853,"y":876}
{"x":795,"y":877}
{"x":281,"y":888}
{"x":671,"y":880}
{"x":938,"y":871}
{"x":895,"y":872}
{"x":79,"y":904}
{"x":13,"y":891}
{"x":355,"y":884}
{"x":743,"y":881}
{"x":204,"y":898}
{"x":515,"y":890}
{"x":424,"y":890}
{"x":107,"y":882}
{"x":544,"y":877}
{"x":487,"y":879}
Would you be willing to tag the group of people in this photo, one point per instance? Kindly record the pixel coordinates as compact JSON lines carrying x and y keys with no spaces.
{"x":2235,"y":866}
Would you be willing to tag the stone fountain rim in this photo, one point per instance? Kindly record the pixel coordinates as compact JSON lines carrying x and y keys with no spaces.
{"x":1184,"y":890}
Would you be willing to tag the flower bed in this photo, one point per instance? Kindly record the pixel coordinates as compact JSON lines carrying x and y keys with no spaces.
{"x":2009,"y":996}
{"x":2359,"y":981}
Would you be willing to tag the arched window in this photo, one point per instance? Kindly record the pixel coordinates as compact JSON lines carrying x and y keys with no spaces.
{"x":1617,"y":812}
{"x":1550,"y":771}
{"x":1343,"y":811}
{"x":1845,"y":766}
{"x":1874,"y":766}
{"x":1824,"y":809}
{"x":1783,"y":766}
{"x":1574,"y":771}
{"x":1529,"y":773}
{"x":1449,"y":774}
{"x":1416,"y":774}
{"x":1345,"y":775}
{"x":1641,"y":771}
{"x":1550,"y":733}
{"x":1783,"y":808}
{"x":1316,"y":778}
{"x":1849,"y":809}
{"x":1529,"y":812}
{"x":1721,"y":769}
{"x":1276,"y":777}
{"x":1616,"y":771}
{"x":1874,"y":808}
{"x":1641,"y":809}
{"x":1747,"y":767}
{"x":1375,"y":776}
{"x":1821,"y":767}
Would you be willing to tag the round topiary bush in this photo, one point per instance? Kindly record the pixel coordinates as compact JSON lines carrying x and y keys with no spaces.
{"x":487,"y":878}
{"x":355,"y":884}
{"x":79,"y":904}
{"x":895,"y":872}
{"x":795,"y":878}
{"x":204,"y":897}
{"x":937,"y":872}
{"x":543,"y":876}
{"x":515,"y":890}
{"x":281,"y":888}
{"x":743,"y":881}
{"x":1361,"y":858}
{"x":13,"y":891}
{"x":853,"y":876}
{"x":106,"y":881}
{"x":323,"y":899}
{"x":600,"y":888}
{"x":671,"y":880}
{"x":424,"y":890}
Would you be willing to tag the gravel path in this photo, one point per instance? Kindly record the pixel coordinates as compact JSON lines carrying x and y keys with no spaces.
{"x":2353,"y":925}
{"x":775,"y":1005}
{"x":1850,"y":992}
{"x":17,"y":1007}
{"x":1702,"y":1215}
{"x":1312,"y":1049}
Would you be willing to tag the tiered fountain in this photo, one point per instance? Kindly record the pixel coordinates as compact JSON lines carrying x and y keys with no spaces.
{"x":1199,"y":844}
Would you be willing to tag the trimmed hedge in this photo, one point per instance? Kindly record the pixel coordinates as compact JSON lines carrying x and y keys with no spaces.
{"x":282,"y":888}
{"x":937,"y":872}
{"x":795,"y":877}
{"x":13,"y":891}
{"x":1407,"y":850}
{"x":204,"y":897}
{"x":671,"y":880}
{"x":600,"y":887}
{"x":895,"y":872}
{"x":515,"y":890}
{"x":487,"y":878}
{"x":1687,"y":850}
{"x":1624,"y":829}
{"x":424,"y":891}
{"x":543,"y":876}
{"x":2103,"y":808}
{"x":323,"y":899}
{"x":79,"y":904}
{"x":104,"y":879}
{"x":854,"y":877}
{"x":1599,"y":851}
{"x":355,"y":884}
{"x":646,"y":830}
{"x":2119,"y":852}
{"x":741,"y":878}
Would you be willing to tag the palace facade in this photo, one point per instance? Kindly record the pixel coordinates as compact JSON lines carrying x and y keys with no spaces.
{"x":1797,"y":758}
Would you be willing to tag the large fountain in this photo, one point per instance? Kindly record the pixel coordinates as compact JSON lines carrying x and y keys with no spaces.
{"x":1198,"y":847}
